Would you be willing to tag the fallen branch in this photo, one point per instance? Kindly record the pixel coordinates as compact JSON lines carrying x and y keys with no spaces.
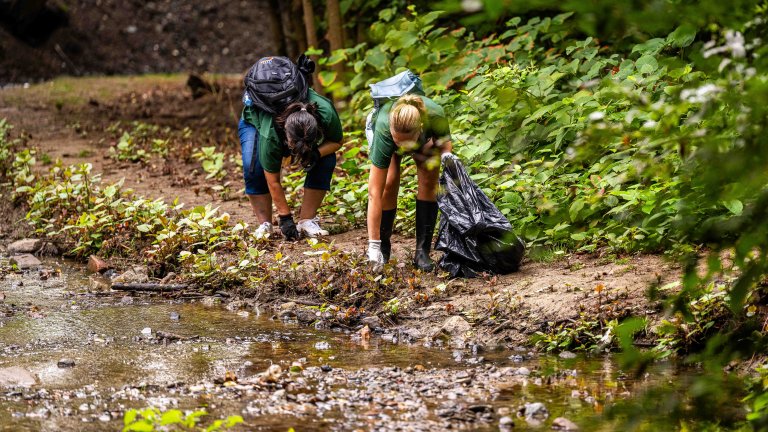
{"x":147,"y":287}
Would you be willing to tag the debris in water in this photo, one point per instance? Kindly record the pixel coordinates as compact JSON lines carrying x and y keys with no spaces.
{"x":65,"y":363}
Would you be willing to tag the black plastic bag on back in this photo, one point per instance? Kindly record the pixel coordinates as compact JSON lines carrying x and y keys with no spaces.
{"x":473,"y":233}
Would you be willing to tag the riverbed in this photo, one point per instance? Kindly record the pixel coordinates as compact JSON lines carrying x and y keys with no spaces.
{"x":91,"y":355}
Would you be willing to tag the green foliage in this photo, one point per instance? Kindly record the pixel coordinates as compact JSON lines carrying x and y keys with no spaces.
{"x":139,"y":142}
{"x":126,"y":150}
{"x":585,"y":334}
{"x":212,"y":162}
{"x":153,"y":419}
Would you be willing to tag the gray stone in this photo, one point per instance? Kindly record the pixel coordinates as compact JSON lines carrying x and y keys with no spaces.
{"x":563,"y":424}
{"x":567,"y":355}
{"x":99,"y":283}
{"x":25,"y":261}
{"x":25,"y":246}
{"x":411,"y":334}
{"x":506,"y":423}
{"x":15,"y":376}
{"x":535,"y":411}
{"x":373,"y":322}
{"x":137,"y":274}
{"x":455,"y":326}
{"x":524,"y":371}
{"x":305,"y":316}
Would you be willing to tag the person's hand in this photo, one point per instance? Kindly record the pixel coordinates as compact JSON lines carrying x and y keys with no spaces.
{"x":428,"y":151}
{"x":288,"y":227}
{"x":375,"y":257}
{"x":314,"y":158}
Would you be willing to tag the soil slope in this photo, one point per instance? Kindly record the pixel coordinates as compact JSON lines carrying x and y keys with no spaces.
{"x":40,"y":40}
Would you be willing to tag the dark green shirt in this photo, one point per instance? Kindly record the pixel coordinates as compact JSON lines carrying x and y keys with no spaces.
{"x":271,"y":150}
{"x":383,"y":146}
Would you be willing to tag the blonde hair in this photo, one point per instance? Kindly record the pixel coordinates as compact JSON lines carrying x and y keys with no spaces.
{"x":407,"y":113}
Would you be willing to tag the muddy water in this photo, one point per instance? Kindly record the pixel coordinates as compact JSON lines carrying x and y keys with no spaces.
{"x":120,"y":363}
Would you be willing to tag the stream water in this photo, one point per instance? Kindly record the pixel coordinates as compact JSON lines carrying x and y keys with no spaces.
{"x":121,"y":363}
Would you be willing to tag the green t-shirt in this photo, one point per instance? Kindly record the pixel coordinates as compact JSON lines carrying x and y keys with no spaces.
{"x":271,"y":150}
{"x":383,"y":146}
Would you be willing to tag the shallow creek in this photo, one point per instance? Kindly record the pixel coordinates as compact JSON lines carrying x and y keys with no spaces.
{"x":93,"y":357}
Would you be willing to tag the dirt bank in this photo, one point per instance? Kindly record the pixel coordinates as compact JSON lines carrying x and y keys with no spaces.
{"x":74,"y":120}
{"x":40,"y":40}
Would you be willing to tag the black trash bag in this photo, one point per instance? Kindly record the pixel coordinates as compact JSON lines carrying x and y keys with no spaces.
{"x":473,"y":233}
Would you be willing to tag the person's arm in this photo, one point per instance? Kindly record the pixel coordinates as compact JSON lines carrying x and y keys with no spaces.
{"x":328,"y":147}
{"x":278,"y":195}
{"x":376,"y":181}
{"x":445,"y":145}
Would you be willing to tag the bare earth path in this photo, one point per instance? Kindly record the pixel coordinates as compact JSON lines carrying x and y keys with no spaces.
{"x":70,"y":120}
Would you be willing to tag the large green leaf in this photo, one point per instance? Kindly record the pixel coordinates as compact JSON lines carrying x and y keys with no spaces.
{"x":682,"y":36}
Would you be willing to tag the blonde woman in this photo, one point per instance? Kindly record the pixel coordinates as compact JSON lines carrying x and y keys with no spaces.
{"x":412,"y":125}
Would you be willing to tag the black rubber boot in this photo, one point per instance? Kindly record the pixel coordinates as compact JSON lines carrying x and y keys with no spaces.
{"x":385,"y":232}
{"x":426,"y":217}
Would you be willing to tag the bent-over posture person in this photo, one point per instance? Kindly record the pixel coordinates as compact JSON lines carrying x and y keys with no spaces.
{"x":310,"y":133}
{"x":415,"y":125}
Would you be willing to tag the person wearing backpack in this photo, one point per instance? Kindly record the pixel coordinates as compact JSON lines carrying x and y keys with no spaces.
{"x":414,"y":125}
{"x":284,"y":117}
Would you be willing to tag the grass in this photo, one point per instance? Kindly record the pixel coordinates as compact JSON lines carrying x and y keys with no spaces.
{"x":544,"y":254}
{"x":76,"y":91}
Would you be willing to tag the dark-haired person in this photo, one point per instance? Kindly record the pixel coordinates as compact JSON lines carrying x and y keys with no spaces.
{"x":307,"y":132}
{"x":414,"y":125}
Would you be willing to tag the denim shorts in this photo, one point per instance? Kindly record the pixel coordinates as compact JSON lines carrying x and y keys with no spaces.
{"x":318,"y":177}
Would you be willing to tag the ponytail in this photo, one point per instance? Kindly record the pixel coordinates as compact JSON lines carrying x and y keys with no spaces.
{"x":408,"y":113}
{"x":299,"y":125}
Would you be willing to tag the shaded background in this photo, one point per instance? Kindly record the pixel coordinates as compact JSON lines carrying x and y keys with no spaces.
{"x":42,"y":39}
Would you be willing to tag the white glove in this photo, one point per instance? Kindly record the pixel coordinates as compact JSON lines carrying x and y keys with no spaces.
{"x":375,"y":257}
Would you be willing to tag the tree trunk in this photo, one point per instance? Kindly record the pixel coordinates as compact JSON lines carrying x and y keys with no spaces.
{"x":298,"y":26}
{"x":277,"y":27}
{"x":310,"y":30}
{"x":289,"y":32}
{"x":335,"y":32}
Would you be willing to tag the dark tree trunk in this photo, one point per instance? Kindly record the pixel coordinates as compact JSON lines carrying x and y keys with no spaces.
{"x":310,"y":29}
{"x":335,"y":31}
{"x":277,"y":27}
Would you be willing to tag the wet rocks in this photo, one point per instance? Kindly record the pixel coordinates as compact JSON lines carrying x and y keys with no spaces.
{"x":563,"y":424}
{"x":25,"y":261}
{"x":137,"y":274}
{"x":506,"y":423}
{"x":567,"y":355}
{"x":16,"y":376}
{"x":373,"y":322}
{"x":65,"y":363}
{"x":455,"y":326}
{"x":25,"y":246}
{"x":97,"y":265}
{"x":98,"y":283}
{"x":534,"y":412}
{"x":305,"y":316}
{"x":322,"y":345}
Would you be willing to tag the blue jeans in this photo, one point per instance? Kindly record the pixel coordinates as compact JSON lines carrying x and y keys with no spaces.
{"x":319,"y":177}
